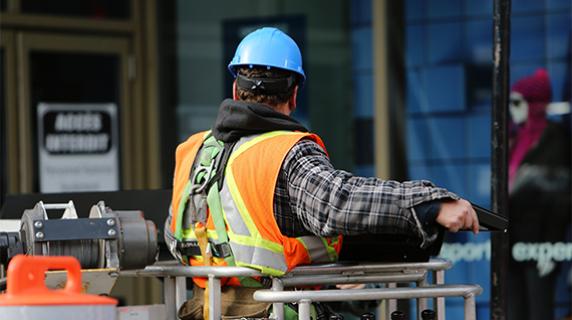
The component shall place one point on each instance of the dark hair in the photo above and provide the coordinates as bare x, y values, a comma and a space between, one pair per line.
263, 72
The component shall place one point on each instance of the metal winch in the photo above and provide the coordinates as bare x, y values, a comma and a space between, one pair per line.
107, 239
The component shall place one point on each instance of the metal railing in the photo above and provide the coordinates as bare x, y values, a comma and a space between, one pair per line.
305, 298
388, 273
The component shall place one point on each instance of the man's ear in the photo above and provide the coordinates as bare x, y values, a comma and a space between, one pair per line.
234, 91
293, 98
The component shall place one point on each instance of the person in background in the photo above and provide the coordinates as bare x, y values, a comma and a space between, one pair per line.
539, 195
259, 190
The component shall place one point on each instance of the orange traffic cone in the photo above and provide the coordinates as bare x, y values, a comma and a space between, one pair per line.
27, 296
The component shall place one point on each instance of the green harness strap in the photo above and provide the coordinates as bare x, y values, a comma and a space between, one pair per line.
215, 207
210, 157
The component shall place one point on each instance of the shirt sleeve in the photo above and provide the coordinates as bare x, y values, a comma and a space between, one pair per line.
329, 202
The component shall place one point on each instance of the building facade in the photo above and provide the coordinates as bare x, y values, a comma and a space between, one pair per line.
397, 89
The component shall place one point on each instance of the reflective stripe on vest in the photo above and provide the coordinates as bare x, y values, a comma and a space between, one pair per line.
231, 214
316, 248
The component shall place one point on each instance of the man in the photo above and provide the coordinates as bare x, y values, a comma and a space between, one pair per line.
263, 193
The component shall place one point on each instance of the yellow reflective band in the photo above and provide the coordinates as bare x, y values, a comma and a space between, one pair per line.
256, 140
252, 242
189, 234
262, 269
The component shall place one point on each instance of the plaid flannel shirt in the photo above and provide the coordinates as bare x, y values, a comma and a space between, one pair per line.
311, 197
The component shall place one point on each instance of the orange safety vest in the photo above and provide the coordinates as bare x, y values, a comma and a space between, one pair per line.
247, 206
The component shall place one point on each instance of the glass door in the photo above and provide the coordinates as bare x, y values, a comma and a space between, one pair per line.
75, 113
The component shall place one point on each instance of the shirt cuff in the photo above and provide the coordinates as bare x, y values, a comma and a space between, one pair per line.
426, 214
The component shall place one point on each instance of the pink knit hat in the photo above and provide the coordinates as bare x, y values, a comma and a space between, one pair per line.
535, 88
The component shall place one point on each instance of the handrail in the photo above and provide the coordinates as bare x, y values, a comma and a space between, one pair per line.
176, 270
337, 273
158, 270
305, 298
431, 291
433, 264
335, 279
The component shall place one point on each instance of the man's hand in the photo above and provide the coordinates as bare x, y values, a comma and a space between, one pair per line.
458, 214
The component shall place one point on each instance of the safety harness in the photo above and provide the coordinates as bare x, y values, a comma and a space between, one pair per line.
206, 177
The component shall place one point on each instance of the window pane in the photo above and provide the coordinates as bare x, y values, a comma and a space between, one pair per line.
448, 123
207, 37
448, 97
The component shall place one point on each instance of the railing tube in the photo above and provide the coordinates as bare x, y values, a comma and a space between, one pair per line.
304, 309
277, 307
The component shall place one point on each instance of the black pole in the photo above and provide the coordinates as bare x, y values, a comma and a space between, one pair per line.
499, 177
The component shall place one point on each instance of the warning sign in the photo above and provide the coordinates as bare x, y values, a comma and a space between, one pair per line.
78, 147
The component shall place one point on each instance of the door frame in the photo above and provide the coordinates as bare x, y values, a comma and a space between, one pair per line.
10, 113
143, 132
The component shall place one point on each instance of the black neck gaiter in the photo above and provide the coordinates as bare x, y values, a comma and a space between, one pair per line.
237, 119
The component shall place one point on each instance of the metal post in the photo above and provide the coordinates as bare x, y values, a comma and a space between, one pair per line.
439, 277
278, 308
499, 175
470, 307
169, 297
180, 291
304, 309
391, 304
421, 302
214, 298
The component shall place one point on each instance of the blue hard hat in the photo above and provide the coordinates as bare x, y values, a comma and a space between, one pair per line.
268, 47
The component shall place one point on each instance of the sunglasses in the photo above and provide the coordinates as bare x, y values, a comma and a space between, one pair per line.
516, 102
